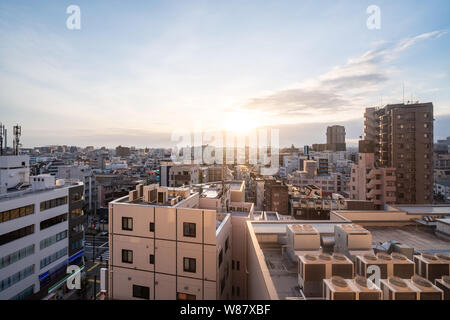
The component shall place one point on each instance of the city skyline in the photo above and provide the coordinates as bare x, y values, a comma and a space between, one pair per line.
132, 72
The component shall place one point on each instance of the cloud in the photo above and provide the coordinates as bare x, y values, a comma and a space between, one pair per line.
344, 89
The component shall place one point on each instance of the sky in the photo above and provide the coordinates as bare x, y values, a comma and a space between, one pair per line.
139, 70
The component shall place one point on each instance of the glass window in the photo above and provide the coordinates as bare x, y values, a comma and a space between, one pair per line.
127, 256
127, 223
189, 229
189, 265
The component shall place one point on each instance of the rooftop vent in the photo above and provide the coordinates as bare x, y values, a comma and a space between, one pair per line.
370, 257
361, 281
421, 282
443, 256
429, 256
398, 282
339, 281
398, 256
384, 256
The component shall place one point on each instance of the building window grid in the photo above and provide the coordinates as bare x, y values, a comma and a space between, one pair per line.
16, 213
49, 204
53, 257
17, 277
16, 256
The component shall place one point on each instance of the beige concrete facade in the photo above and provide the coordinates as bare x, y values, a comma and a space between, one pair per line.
168, 252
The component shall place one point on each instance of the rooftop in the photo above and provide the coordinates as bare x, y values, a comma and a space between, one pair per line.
422, 239
425, 209
283, 272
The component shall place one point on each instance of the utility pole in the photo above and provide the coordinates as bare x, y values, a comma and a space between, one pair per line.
95, 286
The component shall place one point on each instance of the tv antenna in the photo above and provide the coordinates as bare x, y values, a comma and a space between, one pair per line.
17, 132
2, 132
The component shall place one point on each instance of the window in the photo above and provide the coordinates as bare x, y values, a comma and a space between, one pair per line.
237, 265
16, 213
127, 223
53, 239
152, 227
127, 256
53, 257
16, 234
185, 296
152, 259
189, 265
189, 229
220, 257
45, 205
232, 264
141, 292
19, 276
16, 256
53, 221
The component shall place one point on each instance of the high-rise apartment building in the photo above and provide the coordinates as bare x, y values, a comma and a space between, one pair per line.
403, 138
369, 182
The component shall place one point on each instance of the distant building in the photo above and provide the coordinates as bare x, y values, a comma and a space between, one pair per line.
336, 138
276, 197
122, 151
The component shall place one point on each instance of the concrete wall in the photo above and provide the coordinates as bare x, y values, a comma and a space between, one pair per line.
260, 285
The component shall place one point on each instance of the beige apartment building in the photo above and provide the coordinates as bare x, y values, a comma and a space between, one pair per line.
163, 245
403, 138
184, 175
369, 182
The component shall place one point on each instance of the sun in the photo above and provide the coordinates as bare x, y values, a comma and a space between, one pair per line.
240, 121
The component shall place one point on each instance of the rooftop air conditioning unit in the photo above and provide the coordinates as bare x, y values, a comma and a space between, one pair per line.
342, 266
133, 196
444, 285
427, 291
366, 289
367, 260
352, 240
430, 266
402, 267
311, 273
302, 239
162, 196
445, 258
396, 288
337, 288
140, 190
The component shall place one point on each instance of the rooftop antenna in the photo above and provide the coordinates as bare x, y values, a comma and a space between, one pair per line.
2, 128
403, 93
17, 131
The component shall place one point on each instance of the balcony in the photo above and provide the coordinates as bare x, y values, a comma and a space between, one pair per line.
373, 193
